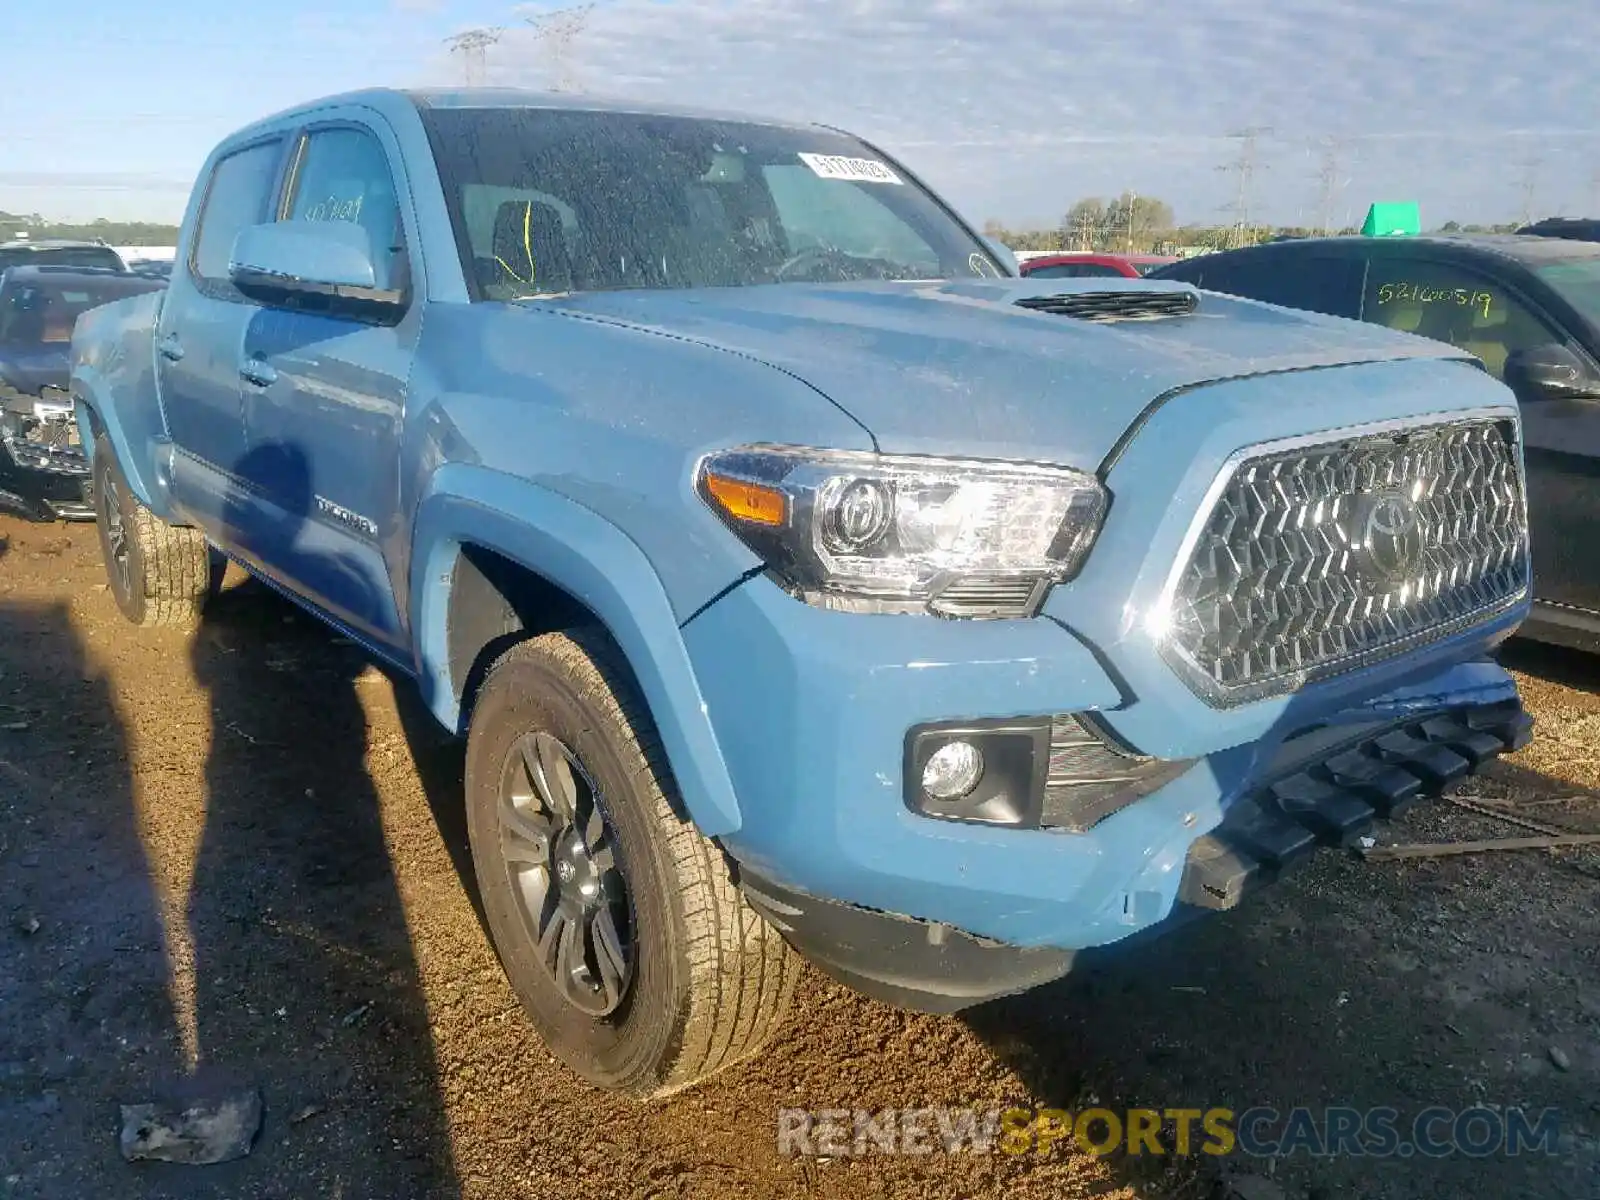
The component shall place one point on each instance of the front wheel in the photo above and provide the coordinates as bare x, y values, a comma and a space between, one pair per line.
617, 923
159, 574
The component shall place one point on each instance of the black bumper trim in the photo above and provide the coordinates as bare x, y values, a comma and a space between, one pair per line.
918, 965
42, 494
1335, 801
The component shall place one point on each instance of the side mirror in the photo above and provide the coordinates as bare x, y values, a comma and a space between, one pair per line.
1004, 253
330, 263
1550, 372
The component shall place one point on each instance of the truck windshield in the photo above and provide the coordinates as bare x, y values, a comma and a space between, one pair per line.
547, 201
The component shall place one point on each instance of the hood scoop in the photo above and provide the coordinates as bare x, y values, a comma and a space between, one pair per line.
1115, 306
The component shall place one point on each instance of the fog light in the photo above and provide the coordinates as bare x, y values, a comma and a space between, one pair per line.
953, 770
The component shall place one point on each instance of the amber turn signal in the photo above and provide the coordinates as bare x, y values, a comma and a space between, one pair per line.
747, 501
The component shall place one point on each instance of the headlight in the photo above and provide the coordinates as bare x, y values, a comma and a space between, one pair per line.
884, 533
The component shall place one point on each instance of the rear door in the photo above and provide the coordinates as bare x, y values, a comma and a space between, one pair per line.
201, 331
324, 397
1484, 312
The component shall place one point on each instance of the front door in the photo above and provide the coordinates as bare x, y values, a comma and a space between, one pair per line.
1561, 438
200, 334
324, 398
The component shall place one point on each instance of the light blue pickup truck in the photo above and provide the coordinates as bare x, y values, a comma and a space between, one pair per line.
804, 583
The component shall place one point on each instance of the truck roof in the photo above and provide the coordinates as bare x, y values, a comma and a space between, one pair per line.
391, 101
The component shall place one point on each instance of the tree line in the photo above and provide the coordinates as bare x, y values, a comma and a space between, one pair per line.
115, 233
1136, 224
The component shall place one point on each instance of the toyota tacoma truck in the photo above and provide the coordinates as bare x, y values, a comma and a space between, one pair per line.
805, 584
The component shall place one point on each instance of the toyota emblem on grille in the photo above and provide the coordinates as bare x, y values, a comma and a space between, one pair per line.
1391, 537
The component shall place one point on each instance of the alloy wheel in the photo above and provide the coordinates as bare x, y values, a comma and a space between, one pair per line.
560, 859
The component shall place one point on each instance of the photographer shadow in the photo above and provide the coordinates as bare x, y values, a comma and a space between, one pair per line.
305, 973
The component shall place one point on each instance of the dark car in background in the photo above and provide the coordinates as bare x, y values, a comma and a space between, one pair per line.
43, 473
1086, 265
1529, 308
1582, 229
59, 252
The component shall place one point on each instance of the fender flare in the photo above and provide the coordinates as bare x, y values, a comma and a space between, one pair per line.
142, 471
577, 550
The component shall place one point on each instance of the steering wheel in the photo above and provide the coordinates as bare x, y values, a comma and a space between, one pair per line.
810, 254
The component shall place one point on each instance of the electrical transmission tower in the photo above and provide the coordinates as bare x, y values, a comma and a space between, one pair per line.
1245, 166
473, 47
1530, 186
1329, 181
556, 31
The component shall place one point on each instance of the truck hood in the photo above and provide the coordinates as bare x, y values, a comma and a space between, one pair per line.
28, 369
960, 368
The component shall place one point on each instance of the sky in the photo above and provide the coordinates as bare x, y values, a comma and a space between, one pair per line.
1013, 109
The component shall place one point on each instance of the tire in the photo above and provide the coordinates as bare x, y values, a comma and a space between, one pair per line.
701, 981
159, 574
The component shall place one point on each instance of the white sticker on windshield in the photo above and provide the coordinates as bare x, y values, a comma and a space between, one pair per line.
860, 170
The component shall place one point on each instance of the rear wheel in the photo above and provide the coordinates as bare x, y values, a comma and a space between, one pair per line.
159, 574
617, 923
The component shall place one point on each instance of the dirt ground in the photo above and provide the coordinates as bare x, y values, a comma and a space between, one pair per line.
244, 853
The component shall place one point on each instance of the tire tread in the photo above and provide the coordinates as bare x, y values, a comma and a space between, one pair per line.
177, 575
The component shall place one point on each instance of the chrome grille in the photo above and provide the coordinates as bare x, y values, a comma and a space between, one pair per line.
1318, 558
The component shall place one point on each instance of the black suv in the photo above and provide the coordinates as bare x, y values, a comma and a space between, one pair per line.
57, 252
1529, 308
1583, 229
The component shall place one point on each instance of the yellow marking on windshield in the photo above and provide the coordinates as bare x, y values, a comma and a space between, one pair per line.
527, 247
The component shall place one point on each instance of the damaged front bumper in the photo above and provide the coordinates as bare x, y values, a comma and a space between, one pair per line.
938, 914
1326, 787
43, 470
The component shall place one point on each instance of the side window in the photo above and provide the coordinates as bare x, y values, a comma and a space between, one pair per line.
343, 175
1453, 304
1323, 283
833, 214
236, 197
1186, 270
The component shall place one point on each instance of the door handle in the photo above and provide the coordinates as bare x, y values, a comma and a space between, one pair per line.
170, 347
260, 373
